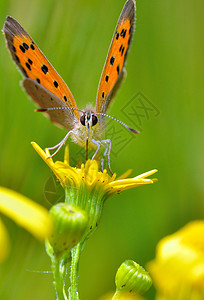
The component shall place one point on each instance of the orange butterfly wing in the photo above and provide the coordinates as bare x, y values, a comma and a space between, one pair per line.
114, 71
34, 65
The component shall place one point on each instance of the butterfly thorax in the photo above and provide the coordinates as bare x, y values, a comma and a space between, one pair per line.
89, 126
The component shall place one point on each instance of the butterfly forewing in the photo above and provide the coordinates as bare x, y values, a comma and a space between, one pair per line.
34, 65
113, 71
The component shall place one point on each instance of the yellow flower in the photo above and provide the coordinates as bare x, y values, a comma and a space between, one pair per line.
90, 175
178, 269
24, 212
86, 187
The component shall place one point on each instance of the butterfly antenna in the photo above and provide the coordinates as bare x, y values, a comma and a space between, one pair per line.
126, 126
56, 108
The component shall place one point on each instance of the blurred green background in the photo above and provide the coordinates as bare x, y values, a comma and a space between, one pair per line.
166, 65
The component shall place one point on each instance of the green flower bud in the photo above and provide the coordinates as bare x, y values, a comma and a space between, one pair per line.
70, 224
132, 278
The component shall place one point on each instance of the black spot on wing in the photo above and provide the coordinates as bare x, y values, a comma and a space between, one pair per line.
112, 60
30, 61
122, 51
22, 48
122, 32
32, 46
65, 98
106, 78
28, 66
118, 69
44, 68
55, 84
38, 80
25, 46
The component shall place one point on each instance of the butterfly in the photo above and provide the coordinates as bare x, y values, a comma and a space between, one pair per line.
45, 86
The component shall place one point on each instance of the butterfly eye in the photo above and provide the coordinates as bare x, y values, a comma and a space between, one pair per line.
94, 120
82, 120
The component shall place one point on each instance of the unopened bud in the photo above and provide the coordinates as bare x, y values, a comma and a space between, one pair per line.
70, 223
132, 278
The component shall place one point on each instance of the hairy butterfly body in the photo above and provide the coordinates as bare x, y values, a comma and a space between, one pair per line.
50, 92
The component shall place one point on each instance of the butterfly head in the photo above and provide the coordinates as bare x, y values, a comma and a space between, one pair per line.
88, 119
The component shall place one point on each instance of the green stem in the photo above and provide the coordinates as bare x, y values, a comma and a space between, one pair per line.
74, 272
58, 274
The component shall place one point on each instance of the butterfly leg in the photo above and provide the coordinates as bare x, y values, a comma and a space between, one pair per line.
107, 144
59, 145
98, 144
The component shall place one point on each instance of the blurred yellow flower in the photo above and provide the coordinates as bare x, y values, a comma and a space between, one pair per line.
24, 212
125, 296
4, 242
178, 269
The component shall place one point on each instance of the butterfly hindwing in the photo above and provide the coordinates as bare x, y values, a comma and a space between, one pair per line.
34, 65
43, 96
114, 71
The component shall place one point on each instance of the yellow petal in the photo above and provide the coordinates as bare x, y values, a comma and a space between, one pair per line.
126, 184
4, 242
26, 213
44, 155
146, 174
91, 171
66, 155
